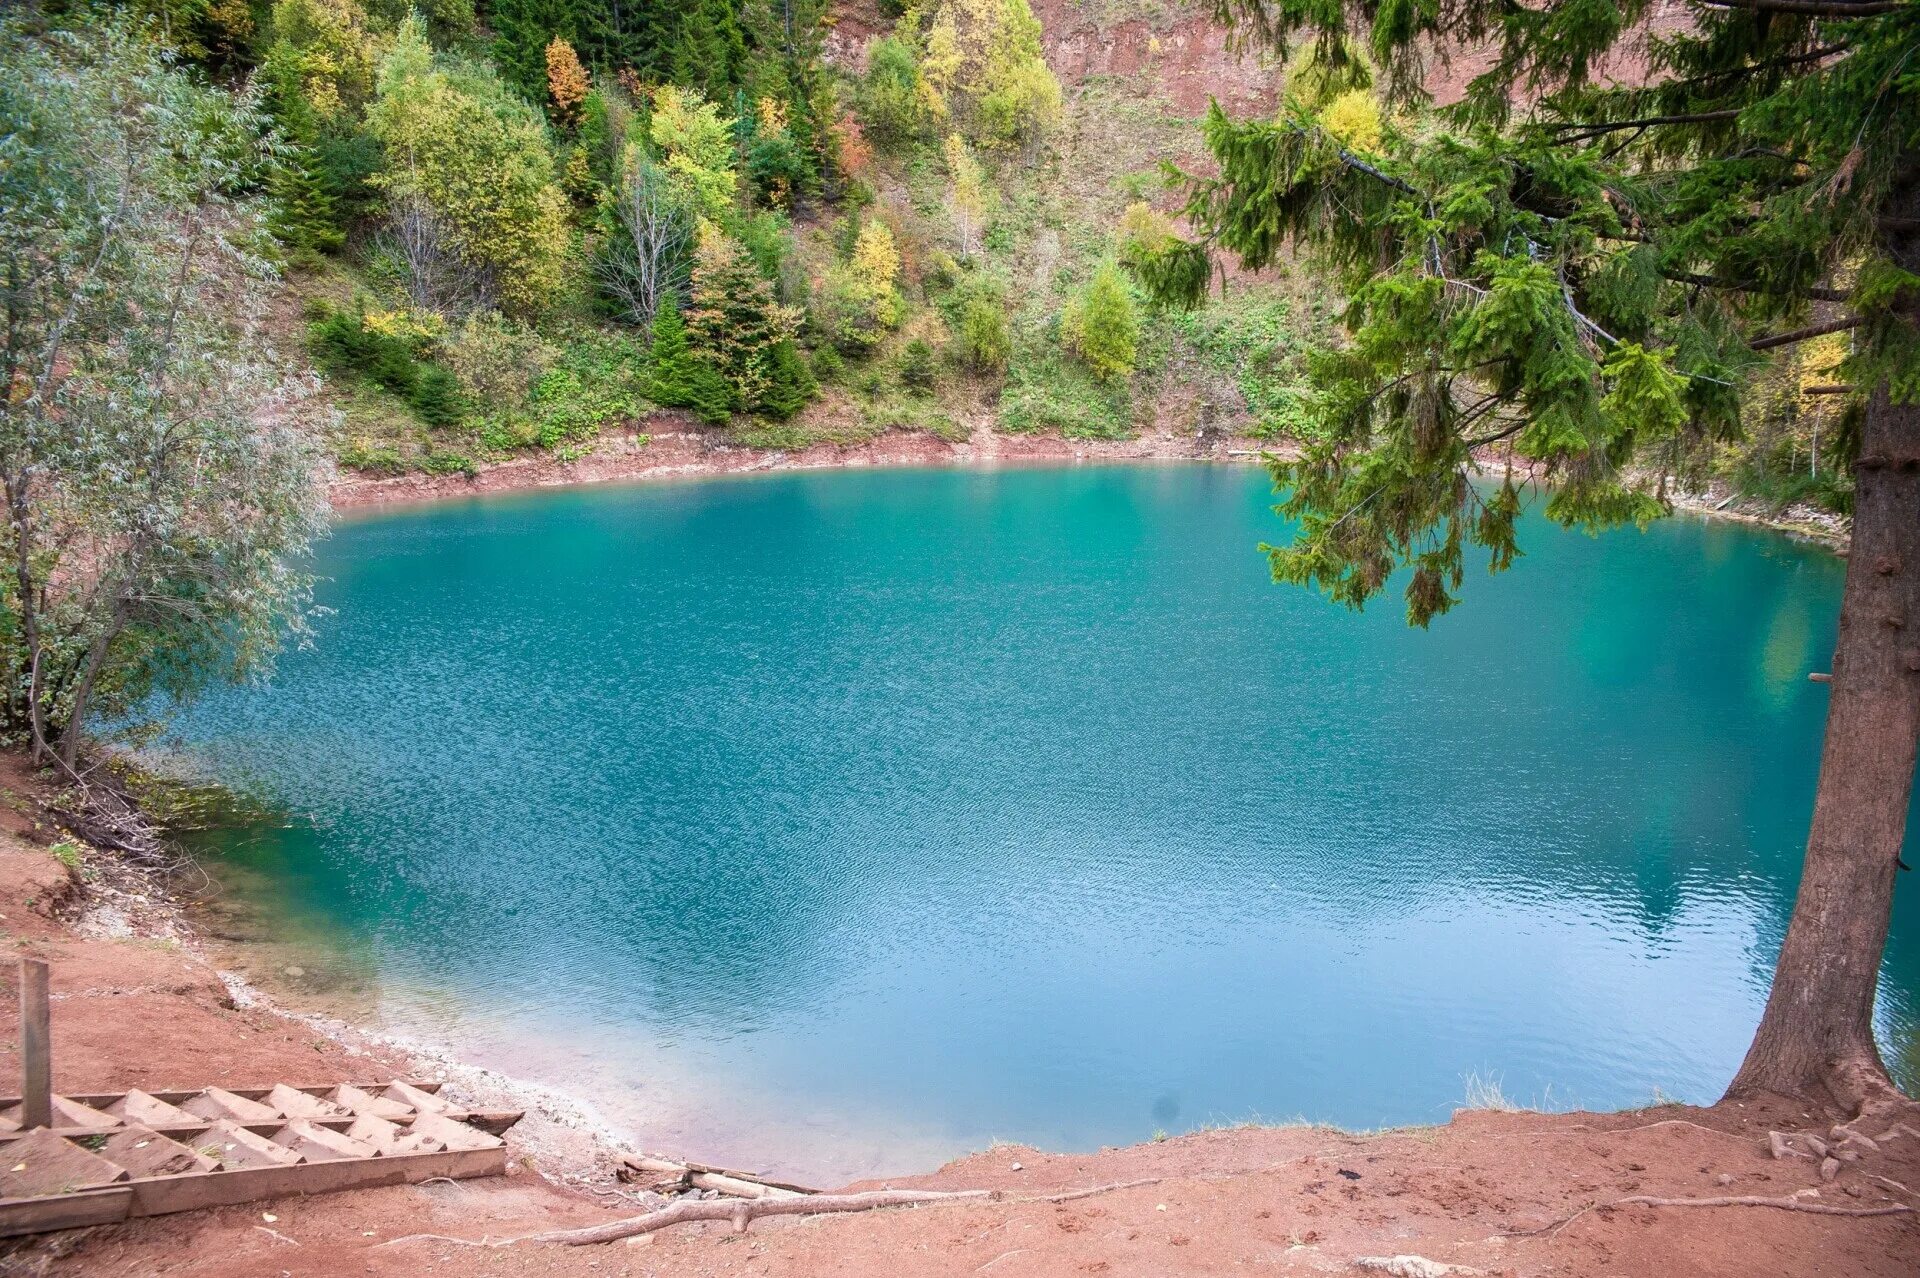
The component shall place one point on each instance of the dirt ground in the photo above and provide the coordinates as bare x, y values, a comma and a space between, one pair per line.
136, 1003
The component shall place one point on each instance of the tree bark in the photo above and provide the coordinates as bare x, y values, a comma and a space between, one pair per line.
1815, 1040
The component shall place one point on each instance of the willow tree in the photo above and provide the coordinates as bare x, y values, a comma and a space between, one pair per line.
161, 486
1580, 263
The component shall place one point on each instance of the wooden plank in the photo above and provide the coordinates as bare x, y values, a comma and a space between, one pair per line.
64, 1211
36, 1047
225, 1188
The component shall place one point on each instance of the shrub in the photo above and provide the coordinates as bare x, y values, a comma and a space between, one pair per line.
1100, 325
985, 342
374, 459
349, 345
496, 360
917, 366
894, 99
449, 463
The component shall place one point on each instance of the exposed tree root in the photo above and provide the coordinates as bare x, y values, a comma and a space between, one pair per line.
1781, 1204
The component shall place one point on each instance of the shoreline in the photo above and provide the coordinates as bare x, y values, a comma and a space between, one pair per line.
566, 1130
639, 456
1492, 1190
571, 1144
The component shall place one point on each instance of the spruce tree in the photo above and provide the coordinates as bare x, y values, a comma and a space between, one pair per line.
790, 383
735, 325
522, 30
709, 49
670, 373
1582, 274
304, 212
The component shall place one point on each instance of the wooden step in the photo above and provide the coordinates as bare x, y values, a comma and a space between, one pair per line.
319, 1144
391, 1138
149, 1111
295, 1103
352, 1098
40, 1163
453, 1135
147, 1153
425, 1102
218, 1103
237, 1148
69, 1113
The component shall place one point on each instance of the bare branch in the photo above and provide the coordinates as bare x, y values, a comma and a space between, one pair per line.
1802, 334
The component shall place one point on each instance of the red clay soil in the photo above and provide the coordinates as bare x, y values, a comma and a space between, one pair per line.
1499, 1193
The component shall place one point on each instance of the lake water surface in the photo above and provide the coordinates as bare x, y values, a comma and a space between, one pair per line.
842, 822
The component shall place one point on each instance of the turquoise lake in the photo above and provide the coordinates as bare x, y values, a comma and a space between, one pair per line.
841, 822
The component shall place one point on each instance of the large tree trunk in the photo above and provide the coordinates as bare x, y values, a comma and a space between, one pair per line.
1816, 1038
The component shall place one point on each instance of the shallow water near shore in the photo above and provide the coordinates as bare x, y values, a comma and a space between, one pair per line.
836, 823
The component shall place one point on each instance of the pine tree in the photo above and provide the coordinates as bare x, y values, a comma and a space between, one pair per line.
670, 372
1586, 273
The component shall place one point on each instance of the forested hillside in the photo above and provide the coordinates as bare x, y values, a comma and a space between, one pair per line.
514, 226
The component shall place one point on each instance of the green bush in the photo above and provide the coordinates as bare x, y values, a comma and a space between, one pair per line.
1101, 326
917, 366
1046, 392
985, 342
343, 345
449, 463
372, 458
1258, 344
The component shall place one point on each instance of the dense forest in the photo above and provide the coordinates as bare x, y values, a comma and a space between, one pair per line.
512, 226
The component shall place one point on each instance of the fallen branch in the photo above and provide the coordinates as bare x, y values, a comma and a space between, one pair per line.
743, 1211
1782, 1204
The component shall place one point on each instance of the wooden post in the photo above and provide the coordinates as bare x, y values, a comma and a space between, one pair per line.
36, 1055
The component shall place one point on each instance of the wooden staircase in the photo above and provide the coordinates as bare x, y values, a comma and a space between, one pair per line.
110, 1156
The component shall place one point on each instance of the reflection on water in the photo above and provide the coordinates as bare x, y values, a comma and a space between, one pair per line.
842, 822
